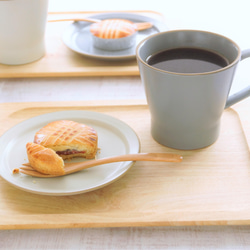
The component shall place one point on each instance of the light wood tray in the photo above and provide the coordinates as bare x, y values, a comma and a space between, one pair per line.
60, 61
210, 187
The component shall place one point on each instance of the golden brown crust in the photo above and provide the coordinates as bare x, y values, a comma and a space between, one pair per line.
68, 139
113, 28
44, 160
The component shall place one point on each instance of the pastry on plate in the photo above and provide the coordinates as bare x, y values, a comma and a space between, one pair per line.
44, 160
113, 34
68, 139
113, 28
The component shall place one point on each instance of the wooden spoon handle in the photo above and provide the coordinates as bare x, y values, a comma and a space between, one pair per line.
91, 20
139, 26
163, 157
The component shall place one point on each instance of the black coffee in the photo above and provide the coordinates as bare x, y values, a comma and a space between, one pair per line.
187, 60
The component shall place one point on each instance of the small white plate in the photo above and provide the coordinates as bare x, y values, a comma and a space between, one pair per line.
78, 38
114, 138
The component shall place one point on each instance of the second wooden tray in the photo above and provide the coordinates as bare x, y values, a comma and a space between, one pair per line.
60, 61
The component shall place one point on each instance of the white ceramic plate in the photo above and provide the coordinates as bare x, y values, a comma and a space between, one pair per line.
78, 38
114, 138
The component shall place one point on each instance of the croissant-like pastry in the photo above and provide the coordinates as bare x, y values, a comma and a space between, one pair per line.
44, 160
68, 139
112, 28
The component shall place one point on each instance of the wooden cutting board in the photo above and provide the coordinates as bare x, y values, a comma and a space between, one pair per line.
60, 61
210, 187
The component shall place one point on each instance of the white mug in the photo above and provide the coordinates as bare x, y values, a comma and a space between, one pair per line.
22, 30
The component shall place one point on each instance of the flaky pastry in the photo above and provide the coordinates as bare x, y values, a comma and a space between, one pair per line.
68, 139
44, 160
113, 28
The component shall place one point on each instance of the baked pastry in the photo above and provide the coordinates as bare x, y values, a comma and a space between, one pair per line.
44, 160
68, 139
113, 28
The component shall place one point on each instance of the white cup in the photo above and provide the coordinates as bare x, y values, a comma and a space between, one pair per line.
22, 30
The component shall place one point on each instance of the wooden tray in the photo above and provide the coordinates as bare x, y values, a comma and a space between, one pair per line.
60, 61
210, 187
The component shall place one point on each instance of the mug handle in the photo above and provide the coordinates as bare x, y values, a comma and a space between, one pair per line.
242, 94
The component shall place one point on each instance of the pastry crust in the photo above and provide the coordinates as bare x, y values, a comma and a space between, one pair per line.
44, 160
113, 28
68, 139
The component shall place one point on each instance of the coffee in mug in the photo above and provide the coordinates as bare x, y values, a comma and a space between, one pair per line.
187, 60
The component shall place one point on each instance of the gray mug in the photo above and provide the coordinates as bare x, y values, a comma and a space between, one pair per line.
186, 108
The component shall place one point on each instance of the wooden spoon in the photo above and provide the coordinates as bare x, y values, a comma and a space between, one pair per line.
139, 26
75, 167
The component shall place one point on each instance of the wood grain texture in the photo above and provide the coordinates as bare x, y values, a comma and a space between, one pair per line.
210, 187
133, 238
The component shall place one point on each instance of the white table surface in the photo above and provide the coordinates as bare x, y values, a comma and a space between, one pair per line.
228, 17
